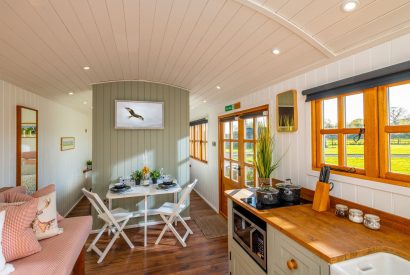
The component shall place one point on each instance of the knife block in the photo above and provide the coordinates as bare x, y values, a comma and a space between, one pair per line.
321, 200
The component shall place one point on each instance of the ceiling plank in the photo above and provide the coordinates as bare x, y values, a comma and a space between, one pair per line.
35, 23
70, 24
116, 13
210, 37
288, 24
132, 25
211, 12
192, 16
101, 18
147, 15
240, 27
160, 25
177, 17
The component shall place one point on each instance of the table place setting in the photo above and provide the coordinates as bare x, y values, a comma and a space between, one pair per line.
120, 187
143, 183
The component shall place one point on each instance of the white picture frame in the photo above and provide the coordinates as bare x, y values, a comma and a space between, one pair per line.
139, 115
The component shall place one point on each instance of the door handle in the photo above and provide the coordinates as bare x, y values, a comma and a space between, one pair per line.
239, 171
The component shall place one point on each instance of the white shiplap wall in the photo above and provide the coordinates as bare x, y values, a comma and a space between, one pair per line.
55, 121
297, 161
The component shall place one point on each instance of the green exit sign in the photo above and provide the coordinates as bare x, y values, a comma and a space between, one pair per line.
232, 107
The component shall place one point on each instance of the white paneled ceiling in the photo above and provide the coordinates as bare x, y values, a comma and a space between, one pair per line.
194, 44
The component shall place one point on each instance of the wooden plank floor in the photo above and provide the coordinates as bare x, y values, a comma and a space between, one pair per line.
201, 256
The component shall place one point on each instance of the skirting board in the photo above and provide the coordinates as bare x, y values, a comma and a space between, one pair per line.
95, 231
210, 205
75, 204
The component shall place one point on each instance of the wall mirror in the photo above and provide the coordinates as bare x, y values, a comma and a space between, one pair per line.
27, 148
286, 111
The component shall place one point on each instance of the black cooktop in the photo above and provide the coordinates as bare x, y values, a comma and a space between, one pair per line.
252, 202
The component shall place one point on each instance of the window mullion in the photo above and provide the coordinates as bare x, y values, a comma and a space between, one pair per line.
383, 137
200, 142
371, 136
340, 124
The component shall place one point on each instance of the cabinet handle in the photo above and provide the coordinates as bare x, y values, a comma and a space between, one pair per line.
292, 264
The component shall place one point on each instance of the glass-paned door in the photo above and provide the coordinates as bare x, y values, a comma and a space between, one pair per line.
238, 136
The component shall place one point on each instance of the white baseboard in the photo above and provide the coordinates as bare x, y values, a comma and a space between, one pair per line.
95, 231
75, 204
210, 205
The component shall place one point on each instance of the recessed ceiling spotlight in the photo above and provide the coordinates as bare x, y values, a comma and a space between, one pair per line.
350, 5
275, 51
218, 87
204, 101
70, 93
85, 102
86, 68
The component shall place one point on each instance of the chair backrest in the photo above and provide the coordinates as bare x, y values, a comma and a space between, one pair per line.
98, 204
187, 191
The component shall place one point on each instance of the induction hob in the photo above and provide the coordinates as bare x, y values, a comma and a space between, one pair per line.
251, 200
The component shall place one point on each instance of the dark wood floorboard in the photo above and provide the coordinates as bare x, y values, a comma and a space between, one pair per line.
83, 208
201, 256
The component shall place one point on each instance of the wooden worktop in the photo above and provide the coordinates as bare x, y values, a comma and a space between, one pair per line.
332, 238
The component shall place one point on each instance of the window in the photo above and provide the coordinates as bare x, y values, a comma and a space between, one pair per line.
364, 133
198, 141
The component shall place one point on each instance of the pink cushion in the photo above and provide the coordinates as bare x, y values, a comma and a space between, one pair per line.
18, 189
16, 197
11, 196
44, 191
5, 196
19, 240
59, 253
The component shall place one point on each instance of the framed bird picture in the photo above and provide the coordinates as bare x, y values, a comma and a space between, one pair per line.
139, 114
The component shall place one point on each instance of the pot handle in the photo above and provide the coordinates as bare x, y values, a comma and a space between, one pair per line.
287, 192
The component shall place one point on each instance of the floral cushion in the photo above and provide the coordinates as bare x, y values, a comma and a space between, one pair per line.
45, 225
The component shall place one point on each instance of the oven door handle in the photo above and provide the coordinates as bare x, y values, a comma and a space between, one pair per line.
253, 229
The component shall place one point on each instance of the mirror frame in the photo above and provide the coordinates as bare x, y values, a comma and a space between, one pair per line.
18, 144
295, 112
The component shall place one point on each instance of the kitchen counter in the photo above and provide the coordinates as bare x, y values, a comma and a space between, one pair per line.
332, 238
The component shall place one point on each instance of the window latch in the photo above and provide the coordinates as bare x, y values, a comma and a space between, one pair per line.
359, 135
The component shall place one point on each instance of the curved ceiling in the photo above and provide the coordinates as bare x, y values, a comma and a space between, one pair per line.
194, 44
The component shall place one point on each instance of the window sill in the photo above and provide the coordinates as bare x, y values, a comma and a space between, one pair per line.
364, 177
197, 159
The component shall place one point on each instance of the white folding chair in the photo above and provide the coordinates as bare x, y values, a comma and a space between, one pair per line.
170, 212
115, 220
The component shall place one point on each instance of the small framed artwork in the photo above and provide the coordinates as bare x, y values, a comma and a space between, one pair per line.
67, 143
28, 130
139, 115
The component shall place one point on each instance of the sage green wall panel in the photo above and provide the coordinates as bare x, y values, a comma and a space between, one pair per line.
117, 153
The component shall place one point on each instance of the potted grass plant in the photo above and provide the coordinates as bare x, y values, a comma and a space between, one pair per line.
155, 174
89, 164
265, 160
137, 176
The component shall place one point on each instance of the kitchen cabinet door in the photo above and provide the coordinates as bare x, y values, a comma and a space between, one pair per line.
241, 263
285, 256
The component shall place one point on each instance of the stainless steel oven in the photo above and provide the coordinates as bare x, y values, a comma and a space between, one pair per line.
250, 233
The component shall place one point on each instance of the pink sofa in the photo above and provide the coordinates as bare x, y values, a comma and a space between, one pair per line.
62, 254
